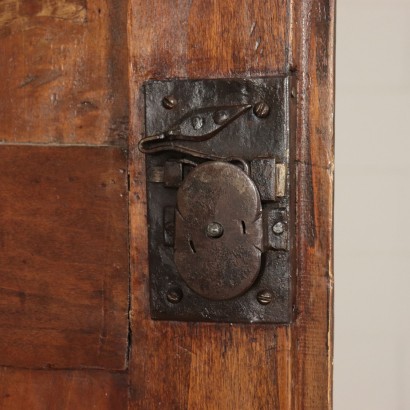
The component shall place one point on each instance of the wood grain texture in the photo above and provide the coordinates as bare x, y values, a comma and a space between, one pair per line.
205, 39
62, 390
63, 284
207, 366
200, 366
312, 57
63, 257
64, 77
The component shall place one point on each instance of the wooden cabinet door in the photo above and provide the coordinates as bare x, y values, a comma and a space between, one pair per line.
75, 325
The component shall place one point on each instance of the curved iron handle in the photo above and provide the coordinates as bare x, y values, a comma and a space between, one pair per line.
195, 126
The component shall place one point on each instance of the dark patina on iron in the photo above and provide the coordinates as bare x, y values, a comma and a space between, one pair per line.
220, 226
226, 264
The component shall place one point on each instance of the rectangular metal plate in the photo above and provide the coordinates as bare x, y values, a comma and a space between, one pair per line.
248, 138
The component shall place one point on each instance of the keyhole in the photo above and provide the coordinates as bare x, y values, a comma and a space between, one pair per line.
192, 246
243, 227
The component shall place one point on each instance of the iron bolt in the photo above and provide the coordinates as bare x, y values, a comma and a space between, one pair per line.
220, 117
169, 102
214, 230
174, 295
261, 109
264, 297
278, 228
197, 122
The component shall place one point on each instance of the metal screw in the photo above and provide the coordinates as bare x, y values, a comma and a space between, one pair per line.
220, 117
261, 109
214, 230
293, 92
278, 228
264, 297
169, 102
197, 122
174, 295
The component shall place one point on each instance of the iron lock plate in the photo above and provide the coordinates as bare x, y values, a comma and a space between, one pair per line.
220, 198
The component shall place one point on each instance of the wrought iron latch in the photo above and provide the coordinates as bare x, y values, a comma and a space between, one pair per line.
220, 198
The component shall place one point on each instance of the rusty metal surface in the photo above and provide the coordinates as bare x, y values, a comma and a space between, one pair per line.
223, 264
194, 127
173, 174
276, 232
213, 200
263, 173
242, 135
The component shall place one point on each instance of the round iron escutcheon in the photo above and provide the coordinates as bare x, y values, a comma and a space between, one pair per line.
218, 231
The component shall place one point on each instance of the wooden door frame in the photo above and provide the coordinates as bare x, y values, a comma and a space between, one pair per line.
72, 108
180, 371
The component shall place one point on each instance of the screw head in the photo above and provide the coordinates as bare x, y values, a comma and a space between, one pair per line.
169, 102
174, 295
197, 122
261, 109
214, 230
220, 117
293, 92
264, 297
278, 228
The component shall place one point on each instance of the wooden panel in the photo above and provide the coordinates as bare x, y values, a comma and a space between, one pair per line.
206, 366
64, 257
64, 77
207, 38
312, 334
200, 366
58, 390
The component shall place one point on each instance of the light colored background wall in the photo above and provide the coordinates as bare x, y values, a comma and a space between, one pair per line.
372, 212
